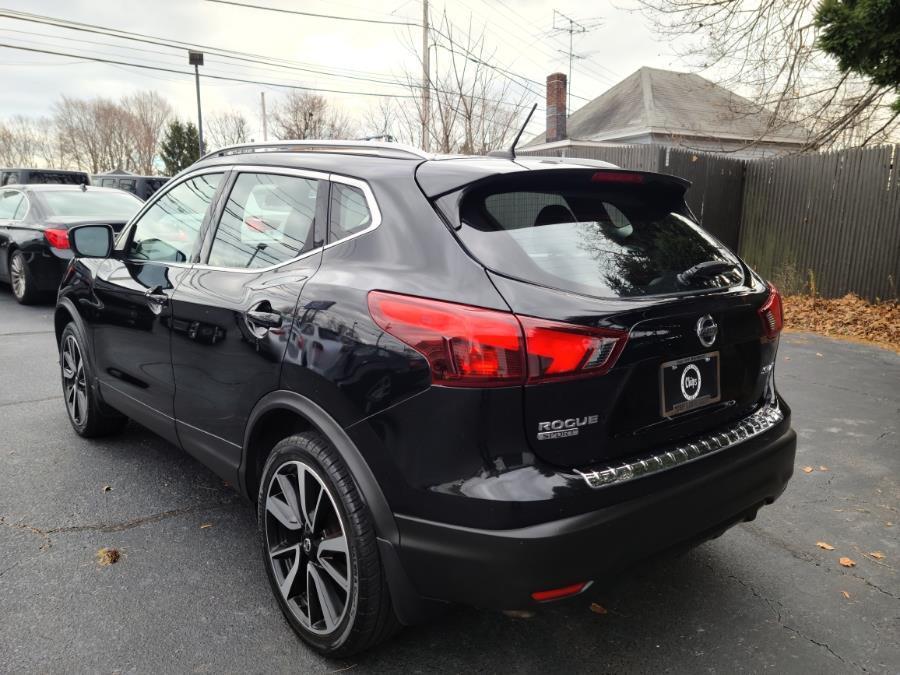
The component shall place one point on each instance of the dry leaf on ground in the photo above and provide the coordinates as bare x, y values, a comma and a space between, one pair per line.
597, 608
850, 316
824, 545
807, 469
878, 555
205, 526
107, 488
108, 556
847, 562
824, 468
845, 594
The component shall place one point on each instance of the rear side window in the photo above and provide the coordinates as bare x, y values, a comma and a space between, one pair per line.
268, 219
589, 236
12, 205
349, 211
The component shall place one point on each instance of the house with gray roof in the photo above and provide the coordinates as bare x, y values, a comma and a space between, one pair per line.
668, 108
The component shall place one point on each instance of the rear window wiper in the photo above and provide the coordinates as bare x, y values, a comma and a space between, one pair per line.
704, 270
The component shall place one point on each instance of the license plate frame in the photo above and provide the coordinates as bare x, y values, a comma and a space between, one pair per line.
676, 392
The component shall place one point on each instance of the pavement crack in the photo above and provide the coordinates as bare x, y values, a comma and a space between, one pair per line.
27, 332
35, 400
120, 526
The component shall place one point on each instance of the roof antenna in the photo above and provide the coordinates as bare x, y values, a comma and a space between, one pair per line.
511, 153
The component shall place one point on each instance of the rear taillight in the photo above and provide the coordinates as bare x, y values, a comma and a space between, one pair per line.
564, 350
474, 347
616, 177
57, 237
465, 346
771, 314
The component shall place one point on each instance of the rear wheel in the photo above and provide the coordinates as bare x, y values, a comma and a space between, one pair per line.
89, 416
319, 549
21, 279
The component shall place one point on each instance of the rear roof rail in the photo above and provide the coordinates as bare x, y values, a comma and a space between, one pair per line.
373, 148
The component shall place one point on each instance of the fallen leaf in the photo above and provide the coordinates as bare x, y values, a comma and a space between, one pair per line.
823, 545
845, 594
597, 608
824, 468
787, 358
205, 526
108, 556
107, 488
878, 555
846, 562
807, 469
819, 354
518, 613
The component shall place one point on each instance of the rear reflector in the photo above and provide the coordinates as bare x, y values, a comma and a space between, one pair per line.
57, 237
616, 177
771, 314
474, 347
557, 593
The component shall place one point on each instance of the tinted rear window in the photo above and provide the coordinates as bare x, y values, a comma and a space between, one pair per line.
88, 204
596, 238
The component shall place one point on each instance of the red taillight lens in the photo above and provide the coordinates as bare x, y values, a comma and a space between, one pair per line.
57, 237
557, 593
465, 346
565, 350
616, 177
474, 347
771, 314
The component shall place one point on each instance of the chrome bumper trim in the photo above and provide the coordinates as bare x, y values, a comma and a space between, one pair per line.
751, 426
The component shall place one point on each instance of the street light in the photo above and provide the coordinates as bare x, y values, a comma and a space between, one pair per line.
196, 59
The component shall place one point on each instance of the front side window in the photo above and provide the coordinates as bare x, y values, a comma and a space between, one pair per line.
349, 211
268, 219
168, 230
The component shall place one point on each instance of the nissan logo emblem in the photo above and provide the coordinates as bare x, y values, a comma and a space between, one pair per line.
707, 330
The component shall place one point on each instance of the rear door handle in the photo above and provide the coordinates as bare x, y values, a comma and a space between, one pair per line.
262, 319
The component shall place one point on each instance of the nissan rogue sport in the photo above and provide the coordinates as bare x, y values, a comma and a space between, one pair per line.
480, 380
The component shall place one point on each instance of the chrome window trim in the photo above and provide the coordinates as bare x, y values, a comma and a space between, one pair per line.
302, 173
751, 426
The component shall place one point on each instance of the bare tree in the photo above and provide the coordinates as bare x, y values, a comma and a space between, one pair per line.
473, 108
25, 142
301, 115
768, 50
149, 113
228, 128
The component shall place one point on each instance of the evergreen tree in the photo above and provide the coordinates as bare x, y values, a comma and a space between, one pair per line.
180, 146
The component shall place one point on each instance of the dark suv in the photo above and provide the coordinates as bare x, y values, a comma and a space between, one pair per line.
474, 380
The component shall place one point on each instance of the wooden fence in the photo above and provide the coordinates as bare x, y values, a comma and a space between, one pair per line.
829, 220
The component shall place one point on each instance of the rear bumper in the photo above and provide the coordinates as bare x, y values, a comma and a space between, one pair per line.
502, 568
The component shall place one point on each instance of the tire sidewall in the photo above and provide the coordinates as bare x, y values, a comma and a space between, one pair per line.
71, 330
289, 450
26, 296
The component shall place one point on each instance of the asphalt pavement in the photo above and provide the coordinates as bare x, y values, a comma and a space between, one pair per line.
189, 593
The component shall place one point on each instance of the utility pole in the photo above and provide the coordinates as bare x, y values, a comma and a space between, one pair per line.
196, 59
571, 29
426, 77
262, 101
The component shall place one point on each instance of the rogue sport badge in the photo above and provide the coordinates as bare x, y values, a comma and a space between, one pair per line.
707, 330
564, 428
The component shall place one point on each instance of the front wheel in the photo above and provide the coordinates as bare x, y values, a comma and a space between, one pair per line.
319, 548
89, 416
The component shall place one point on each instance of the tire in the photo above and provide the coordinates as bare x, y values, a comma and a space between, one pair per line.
21, 280
312, 539
89, 416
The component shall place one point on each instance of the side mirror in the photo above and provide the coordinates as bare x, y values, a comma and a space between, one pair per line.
91, 241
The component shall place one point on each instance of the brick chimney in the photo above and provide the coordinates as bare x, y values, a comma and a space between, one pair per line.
556, 107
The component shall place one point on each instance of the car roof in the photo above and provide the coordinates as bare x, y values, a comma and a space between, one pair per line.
33, 170
61, 187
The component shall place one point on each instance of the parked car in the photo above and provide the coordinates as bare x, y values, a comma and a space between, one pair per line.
29, 176
142, 186
441, 380
34, 220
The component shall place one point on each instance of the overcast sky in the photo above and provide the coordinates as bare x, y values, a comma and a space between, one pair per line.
518, 31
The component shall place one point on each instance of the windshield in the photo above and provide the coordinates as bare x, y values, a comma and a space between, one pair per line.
91, 204
605, 239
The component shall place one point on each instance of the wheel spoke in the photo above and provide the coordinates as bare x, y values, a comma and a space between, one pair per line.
301, 482
290, 495
282, 512
68, 364
314, 523
337, 545
81, 404
328, 603
287, 585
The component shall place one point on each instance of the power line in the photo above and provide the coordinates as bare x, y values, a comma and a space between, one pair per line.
248, 5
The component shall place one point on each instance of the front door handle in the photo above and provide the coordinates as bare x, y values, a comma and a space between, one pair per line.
156, 299
263, 319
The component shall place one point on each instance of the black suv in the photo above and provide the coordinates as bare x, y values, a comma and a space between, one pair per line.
477, 380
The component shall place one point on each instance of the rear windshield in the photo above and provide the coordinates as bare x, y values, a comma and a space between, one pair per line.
88, 204
584, 234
